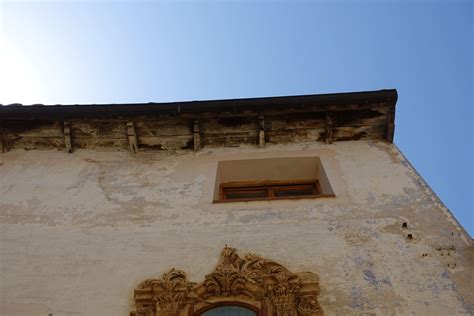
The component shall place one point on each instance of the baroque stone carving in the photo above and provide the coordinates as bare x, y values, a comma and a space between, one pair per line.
278, 291
165, 296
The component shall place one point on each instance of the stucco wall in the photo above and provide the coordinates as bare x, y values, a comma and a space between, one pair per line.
79, 231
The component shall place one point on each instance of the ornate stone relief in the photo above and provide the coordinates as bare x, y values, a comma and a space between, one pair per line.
267, 284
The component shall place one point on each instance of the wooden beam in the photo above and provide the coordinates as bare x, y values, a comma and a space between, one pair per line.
132, 137
390, 125
67, 136
329, 128
196, 136
261, 131
3, 140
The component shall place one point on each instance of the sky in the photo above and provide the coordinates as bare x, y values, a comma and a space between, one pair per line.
70, 52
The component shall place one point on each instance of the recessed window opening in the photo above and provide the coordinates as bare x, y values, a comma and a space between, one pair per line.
271, 179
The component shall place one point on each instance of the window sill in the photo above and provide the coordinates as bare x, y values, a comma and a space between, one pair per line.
276, 198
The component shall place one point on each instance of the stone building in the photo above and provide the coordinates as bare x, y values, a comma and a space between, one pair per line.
297, 205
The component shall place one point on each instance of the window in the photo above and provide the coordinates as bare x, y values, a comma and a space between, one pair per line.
271, 179
269, 190
229, 311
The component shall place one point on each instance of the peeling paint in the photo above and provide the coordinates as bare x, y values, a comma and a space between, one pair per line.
79, 231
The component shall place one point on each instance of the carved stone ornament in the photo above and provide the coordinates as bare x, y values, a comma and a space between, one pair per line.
265, 284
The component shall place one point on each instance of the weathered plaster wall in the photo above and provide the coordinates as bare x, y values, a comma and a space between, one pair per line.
79, 231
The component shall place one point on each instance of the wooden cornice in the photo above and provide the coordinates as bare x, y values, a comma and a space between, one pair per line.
193, 125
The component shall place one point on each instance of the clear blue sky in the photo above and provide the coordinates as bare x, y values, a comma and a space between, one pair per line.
108, 51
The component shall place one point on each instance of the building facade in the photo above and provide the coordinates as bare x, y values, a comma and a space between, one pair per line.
296, 205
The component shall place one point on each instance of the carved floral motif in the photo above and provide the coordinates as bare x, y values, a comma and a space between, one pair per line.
308, 305
282, 292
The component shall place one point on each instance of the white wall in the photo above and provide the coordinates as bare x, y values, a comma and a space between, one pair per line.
79, 231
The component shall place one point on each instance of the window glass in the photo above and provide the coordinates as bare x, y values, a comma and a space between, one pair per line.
229, 311
245, 194
293, 191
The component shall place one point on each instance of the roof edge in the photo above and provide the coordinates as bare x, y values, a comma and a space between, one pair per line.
36, 112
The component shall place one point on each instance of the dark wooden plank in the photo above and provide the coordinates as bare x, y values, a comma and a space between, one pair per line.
132, 137
67, 137
329, 128
261, 131
196, 136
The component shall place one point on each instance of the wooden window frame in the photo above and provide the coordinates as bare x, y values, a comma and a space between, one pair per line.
270, 187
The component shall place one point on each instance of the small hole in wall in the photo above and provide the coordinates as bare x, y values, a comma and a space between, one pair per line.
404, 225
410, 236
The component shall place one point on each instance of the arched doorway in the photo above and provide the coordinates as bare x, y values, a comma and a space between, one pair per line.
229, 311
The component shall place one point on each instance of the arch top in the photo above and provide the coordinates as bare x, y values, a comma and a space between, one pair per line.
250, 281
245, 309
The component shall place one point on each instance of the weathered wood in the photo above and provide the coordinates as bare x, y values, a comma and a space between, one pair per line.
43, 129
164, 126
194, 130
196, 136
229, 132
364, 117
132, 137
321, 109
100, 129
329, 128
230, 139
308, 121
227, 125
30, 143
32, 135
165, 142
261, 131
295, 135
101, 143
3, 142
67, 137
95, 134
390, 125
358, 133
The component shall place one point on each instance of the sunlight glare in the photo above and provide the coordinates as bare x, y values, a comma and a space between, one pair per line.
19, 80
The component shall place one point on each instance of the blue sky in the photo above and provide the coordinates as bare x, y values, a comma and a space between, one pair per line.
109, 51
